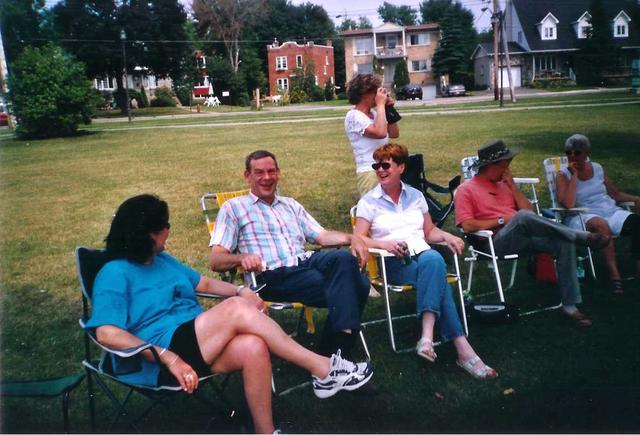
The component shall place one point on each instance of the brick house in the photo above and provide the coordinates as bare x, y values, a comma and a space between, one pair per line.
389, 44
284, 59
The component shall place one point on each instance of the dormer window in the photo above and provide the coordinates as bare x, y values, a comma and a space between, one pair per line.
582, 26
548, 27
621, 25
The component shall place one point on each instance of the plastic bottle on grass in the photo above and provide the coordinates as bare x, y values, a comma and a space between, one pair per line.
580, 268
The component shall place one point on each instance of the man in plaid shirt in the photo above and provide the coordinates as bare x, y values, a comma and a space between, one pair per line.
266, 233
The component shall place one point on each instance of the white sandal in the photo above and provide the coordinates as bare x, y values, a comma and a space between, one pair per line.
424, 348
480, 372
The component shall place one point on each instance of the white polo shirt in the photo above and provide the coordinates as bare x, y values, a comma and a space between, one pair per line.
391, 221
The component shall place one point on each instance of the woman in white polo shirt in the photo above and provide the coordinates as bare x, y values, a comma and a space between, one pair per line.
366, 125
395, 217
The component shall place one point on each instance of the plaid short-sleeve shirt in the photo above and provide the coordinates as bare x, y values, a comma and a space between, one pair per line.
277, 231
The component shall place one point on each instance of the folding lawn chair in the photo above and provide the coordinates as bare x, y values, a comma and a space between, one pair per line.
113, 363
53, 387
382, 284
415, 177
481, 242
210, 204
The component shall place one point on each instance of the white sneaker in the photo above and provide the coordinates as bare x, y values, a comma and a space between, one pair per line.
343, 375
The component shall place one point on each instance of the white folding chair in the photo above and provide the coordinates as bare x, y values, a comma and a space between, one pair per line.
481, 242
387, 288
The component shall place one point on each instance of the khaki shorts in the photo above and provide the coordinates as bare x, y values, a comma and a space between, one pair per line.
366, 181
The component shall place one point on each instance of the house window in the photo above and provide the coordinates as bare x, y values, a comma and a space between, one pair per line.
104, 83
201, 61
585, 31
546, 63
299, 61
365, 68
621, 31
549, 32
281, 63
419, 65
324, 70
316, 77
364, 46
520, 36
283, 84
481, 70
419, 39
326, 60
390, 41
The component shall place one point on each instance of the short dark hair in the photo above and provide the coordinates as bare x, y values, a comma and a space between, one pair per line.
360, 85
257, 155
130, 233
396, 152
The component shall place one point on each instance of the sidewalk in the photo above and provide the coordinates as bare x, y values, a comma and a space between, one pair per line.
477, 96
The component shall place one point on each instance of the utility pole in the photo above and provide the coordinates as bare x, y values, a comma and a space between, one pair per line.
123, 40
495, 21
505, 47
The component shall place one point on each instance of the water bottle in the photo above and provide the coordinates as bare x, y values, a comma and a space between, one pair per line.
580, 268
404, 248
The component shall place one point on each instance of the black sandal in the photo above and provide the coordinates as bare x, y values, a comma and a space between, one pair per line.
616, 287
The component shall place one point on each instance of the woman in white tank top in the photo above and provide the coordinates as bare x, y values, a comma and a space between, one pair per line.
584, 184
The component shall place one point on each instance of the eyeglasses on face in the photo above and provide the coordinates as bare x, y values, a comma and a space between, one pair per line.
573, 152
383, 165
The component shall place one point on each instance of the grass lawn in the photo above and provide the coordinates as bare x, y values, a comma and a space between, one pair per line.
60, 193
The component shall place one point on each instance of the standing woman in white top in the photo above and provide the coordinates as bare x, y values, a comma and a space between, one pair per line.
584, 184
395, 217
366, 125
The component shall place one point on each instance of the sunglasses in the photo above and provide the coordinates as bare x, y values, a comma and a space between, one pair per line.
573, 152
383, 165
168, 226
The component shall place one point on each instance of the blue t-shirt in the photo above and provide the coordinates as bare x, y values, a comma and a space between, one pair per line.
148, 300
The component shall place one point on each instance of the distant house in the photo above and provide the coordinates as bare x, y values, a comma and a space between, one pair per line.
140, 78
387, 46
283, 60
545, 35
203, 87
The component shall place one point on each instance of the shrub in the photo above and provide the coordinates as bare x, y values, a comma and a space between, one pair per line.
49, 93
329, 91
164, 98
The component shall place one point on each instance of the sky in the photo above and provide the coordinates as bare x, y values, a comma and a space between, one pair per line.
357, 8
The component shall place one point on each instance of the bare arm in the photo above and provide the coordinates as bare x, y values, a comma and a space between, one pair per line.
333, 238
221, 260
619, 196
522, 202
225, 289
433, 234
362, 230
117, 338
378, 130
566, 188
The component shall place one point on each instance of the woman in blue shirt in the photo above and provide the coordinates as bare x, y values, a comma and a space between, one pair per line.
145, 295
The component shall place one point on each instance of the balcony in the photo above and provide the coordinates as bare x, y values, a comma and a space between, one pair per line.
389, 53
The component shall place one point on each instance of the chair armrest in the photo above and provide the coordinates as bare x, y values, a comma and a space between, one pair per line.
380, 252
436, 187
482, 233
520, 180
122, 353
575, 210
627, 204
208, 295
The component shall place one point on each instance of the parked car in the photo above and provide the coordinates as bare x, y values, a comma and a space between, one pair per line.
4, 118
410, 91
454, 91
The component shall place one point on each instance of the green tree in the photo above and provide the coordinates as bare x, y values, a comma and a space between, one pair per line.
22, 22
49, 93
400, 75
598, 52
150, 27
400, 15
364, 23
459, 38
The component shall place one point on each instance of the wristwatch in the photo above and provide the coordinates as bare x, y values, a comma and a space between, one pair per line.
500, 220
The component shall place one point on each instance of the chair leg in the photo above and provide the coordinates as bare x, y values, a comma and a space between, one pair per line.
65, 410
461, 294
364, 345
496, 271
91, 399
513, 274
388, 305
593, 269
471, 264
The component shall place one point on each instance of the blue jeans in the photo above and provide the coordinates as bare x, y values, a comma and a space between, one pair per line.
330, 279
428, 274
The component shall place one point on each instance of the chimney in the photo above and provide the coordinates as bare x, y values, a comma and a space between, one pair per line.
330, 43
